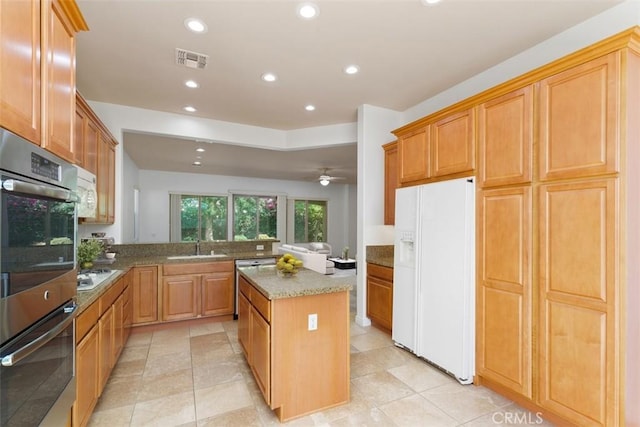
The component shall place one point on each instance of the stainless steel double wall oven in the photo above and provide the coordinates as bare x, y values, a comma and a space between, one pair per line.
37, 284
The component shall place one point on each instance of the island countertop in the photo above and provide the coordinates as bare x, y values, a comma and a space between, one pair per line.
306, 282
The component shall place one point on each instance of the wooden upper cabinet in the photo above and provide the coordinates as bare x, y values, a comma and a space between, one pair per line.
59, 47
504, 342
453, 144
87, 136
390, 181
20, 82
579, 120
505, 138
413, 155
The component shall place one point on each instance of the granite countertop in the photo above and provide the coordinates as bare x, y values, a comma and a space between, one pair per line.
380, 255
306, 282
86, 298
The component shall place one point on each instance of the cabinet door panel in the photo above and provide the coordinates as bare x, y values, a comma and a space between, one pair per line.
87, 374
453, 144
20, 68
61, 83
390, 181
106, 332
260, 356
217, 294
578, 301
505, 136
180, 297
380, 301
579, 113
413, 153
504, 288
145, 294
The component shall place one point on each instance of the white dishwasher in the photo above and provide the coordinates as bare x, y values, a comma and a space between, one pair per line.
249, 263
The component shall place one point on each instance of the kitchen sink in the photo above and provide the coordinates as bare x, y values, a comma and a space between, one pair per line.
197, 256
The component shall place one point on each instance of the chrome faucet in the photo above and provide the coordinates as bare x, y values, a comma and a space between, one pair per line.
197, 246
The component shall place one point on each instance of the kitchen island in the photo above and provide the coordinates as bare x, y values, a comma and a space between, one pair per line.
294, 332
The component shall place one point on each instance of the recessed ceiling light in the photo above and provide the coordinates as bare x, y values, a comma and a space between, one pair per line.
195, 25
308, 10
200, 150
191, 83
310, 107
351, 69
269, 77
190, 109
197, 163
430, 2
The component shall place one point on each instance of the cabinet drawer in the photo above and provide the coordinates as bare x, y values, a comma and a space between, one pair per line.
261, 303
86, 320
244, 287
110, 295
197, 268
385, 273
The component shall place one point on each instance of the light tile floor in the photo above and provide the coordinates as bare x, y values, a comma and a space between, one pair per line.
197, 376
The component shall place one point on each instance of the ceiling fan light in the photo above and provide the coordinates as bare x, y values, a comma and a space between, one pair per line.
324, 182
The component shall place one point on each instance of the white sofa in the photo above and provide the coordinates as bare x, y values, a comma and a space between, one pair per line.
313, 255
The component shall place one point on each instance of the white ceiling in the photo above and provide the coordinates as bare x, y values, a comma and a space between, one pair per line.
407, 52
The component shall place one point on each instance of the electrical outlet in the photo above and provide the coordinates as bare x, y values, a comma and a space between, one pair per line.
259, 247
313, 322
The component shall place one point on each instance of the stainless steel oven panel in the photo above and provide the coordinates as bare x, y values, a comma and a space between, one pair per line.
19, 311
37, 371
17, 155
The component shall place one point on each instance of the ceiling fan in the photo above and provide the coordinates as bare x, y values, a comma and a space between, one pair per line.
325, 178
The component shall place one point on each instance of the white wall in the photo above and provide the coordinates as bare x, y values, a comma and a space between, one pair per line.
374, 127
155, 187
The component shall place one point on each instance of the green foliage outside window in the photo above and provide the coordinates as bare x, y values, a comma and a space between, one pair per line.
255, 217
310, 221
203, 217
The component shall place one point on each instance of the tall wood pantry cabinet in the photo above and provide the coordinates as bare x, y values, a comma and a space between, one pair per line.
557, 242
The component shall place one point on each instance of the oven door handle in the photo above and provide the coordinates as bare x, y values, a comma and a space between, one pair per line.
40, 190
21, 353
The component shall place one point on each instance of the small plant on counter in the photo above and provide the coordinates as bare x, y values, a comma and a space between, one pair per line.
88, 251
288, 264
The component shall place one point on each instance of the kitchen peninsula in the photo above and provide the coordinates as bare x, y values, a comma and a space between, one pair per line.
294, 332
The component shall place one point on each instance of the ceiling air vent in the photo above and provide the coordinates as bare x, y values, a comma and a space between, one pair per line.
191, 59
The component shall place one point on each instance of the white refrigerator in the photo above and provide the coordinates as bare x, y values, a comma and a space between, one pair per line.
434, 274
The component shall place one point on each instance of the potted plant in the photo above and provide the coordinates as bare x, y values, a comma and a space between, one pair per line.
88, 251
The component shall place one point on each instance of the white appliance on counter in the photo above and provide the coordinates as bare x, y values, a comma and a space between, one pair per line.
434, 274
87, 193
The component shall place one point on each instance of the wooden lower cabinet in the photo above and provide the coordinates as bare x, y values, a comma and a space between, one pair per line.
87, 373
145, 294
100, 338
105, 335
380, 295
290, 363
194, 290
260, 361
180, 297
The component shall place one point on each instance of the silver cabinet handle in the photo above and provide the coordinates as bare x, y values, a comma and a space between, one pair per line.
18, 355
